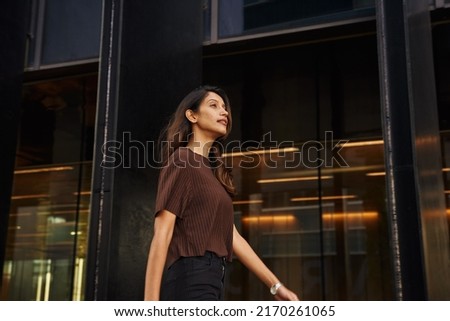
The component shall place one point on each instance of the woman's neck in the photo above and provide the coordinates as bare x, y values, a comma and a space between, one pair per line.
200, 147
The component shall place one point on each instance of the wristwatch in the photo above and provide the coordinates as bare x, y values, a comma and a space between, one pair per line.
274, 288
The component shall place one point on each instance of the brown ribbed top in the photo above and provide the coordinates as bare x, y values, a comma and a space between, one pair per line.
188, 188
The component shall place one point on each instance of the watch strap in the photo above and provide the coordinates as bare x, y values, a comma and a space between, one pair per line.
274, 288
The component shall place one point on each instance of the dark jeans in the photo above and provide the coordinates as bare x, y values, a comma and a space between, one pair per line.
197, 278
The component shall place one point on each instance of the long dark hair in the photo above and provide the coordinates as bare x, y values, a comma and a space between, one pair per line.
177, 132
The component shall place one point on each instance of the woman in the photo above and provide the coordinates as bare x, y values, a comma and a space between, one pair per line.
194, 234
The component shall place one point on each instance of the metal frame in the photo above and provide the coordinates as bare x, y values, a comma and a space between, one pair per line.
39, 33
64, 64
214, 21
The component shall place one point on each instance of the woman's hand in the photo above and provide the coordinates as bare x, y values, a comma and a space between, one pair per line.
284, 294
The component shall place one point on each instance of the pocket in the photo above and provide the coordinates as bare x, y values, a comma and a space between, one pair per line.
175, 264
175, 270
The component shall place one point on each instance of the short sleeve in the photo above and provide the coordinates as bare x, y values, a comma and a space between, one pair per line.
173, 189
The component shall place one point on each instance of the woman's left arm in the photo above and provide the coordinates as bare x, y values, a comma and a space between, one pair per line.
250, 259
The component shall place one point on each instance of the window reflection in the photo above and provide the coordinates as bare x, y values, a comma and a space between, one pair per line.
314, 225
238, 17
62, 32
48, 222
445, 143
311, 200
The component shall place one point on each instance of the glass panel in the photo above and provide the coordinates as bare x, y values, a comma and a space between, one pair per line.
311, 189
46, 246
237, 17
231, 18
441, 41
445, 143
47, 233
71, 30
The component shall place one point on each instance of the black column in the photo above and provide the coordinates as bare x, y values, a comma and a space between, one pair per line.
13, 22
420, 240
151, 57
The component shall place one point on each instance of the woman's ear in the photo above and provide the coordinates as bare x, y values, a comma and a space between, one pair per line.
190, 115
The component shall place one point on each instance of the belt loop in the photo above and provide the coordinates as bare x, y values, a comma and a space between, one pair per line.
210, 256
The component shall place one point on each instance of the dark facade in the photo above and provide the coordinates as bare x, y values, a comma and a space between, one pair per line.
340, 144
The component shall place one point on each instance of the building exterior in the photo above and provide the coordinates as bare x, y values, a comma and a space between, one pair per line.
340, 145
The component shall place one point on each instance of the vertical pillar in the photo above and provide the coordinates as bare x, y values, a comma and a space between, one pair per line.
13, 23
420, 240
151, 57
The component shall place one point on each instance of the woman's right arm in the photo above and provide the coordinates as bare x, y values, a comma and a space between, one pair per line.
163, 230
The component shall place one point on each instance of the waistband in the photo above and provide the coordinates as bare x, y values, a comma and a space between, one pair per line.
214, 256
208, 256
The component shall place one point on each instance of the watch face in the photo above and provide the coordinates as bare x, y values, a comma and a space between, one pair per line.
274, 288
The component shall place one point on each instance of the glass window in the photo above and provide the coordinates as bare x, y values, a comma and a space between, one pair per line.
238, 17
47, 233
308, 163
445, 143
71, 30
441, 41
62, 31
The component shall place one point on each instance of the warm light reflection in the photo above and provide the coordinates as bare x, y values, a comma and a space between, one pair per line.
323, 198
83, 193
20, 214
376, 174
261, 151
350, 215
78, 282
384, 173
363, 143
26, 235
247, 202
448, 211
291, 179
44, 170
288, 218
31, 196
63, 212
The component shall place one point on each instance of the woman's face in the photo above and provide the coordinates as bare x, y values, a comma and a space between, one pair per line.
211, 118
